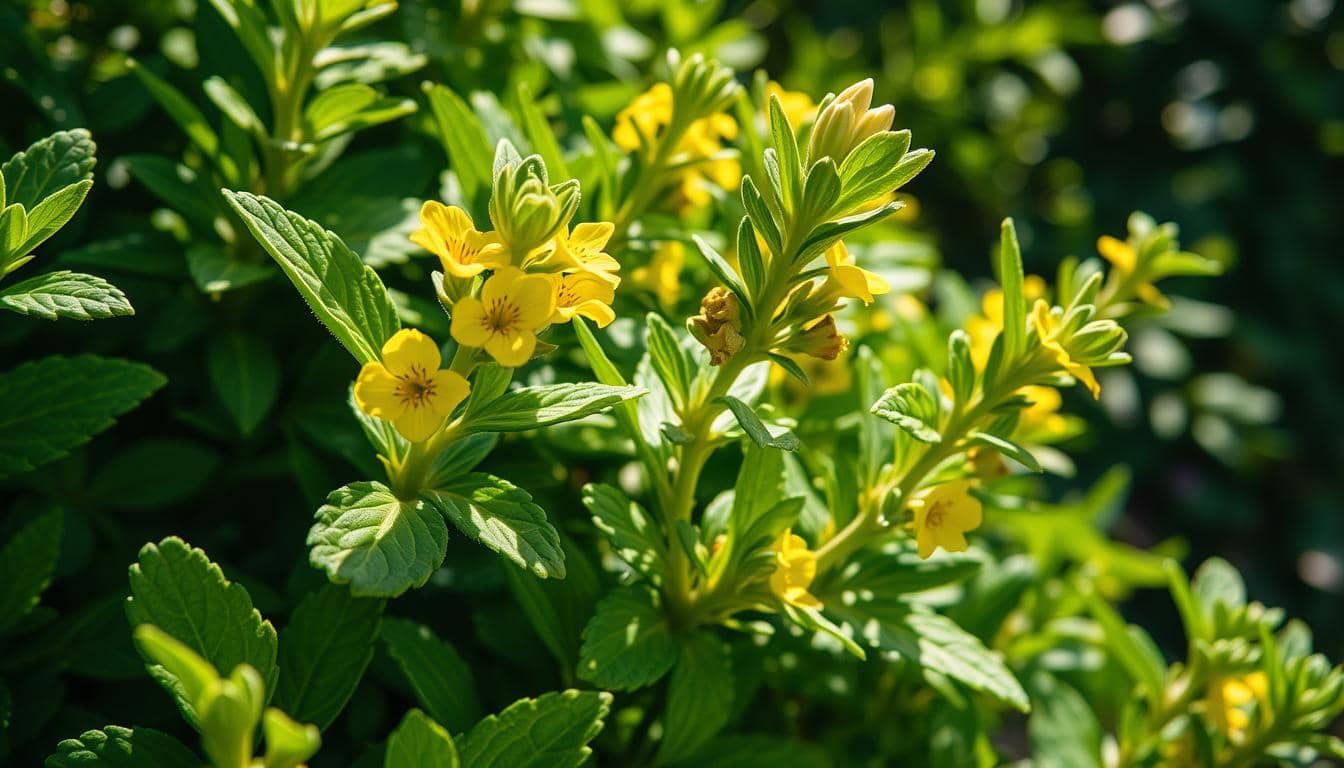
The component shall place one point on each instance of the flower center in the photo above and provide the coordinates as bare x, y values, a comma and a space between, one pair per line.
415, 387
501, 316
937, 512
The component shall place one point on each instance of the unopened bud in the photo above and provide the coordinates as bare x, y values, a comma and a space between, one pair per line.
847, 121
822, 340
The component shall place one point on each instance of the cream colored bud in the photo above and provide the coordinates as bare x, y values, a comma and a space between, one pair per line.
846, 122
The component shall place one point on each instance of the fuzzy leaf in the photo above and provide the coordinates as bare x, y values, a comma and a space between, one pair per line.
344, 293
178, 589
441, 679
66, 294
378, 544
910, 407
501, 516
550, 731
324, 650
52, 405
51, 164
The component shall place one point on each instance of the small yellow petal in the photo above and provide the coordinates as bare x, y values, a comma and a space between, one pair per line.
450, 388
417, 423
511, 350
376, 392
469, 322
410, 349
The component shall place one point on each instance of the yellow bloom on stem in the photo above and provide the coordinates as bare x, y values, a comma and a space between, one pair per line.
795, 568
447, 232
1042, 417
407, 388
513, 306
646, 114
943, 515
797, 106
851, 280
583, 294
1047, 327
662, 275
1230, 697
1125, 259
582, 249
986, 326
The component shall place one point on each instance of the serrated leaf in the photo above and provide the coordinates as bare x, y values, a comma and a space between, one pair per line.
550, 731
501, 516
699, 696
344, 293
246, 376
378, 544
51, 214
420, 742
118, 747
627, 644
534, 407
910, 407
66, 294
53, 163
324, 650
633, 535
935, 643
176, 588
52, 405
441, 679
756, 429
27, 562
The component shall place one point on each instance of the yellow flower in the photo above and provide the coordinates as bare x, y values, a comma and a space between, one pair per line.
582, 249
1042, 418
1047, 327
662, 275
1230, 697
584, 294
407, 388
1122, 256
943, 515
447, 232
505, 319
985, 327
798, 106
795, 567
850, 280
646, 114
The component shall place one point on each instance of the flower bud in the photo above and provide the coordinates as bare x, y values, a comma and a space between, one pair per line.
845, 122
526, 211
822, 339
719, 325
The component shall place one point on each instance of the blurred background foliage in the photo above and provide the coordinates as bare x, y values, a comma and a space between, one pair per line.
1224, 115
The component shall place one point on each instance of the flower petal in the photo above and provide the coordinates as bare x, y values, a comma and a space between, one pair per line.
511, 350
534, 295
450, 388
469, 326
376, 392
417, 424
408, 349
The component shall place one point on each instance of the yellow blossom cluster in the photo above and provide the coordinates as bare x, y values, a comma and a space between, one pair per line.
698, 155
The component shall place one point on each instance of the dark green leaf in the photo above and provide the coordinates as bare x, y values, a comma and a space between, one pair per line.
441, 679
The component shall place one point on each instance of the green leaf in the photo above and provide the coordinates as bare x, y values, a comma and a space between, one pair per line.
469, 148
378, 544
758, 751
869, 171
176, 588
66, 294
627, 644
722, 270
52, 214
52, 405
118, 747
1006, 447
351, 107
633, 535
501, 516
550, 731
420, 742
1216, 581
790, 165
756, 429
934, 643
344, 293
1063, 729
558, 609
56, 162
534, 407
699, 696
27, 563
539, 133
176, 185
441, 679
324, 650
750, 257
246, 376
912, 408
896, 569
232, 104
153, 473
188, 118
607, 373
671, 364
214, 271
1014, 301
459, 458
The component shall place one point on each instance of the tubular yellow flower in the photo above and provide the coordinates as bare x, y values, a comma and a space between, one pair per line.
798, 106
850, 280
583, 294
795, 567
943, 515
1230, 697
447, 232
582, 249
1047, 327
1122, 256
407, 388
505, 319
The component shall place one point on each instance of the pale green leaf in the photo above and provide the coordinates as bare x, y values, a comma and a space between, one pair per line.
756, 429
441, 679
66, 294
550, 731
378, 544
324, 650
1014, 301
1063, 729
52, 405
176, 588
533, 407
52, 214
344, 293
634, 536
